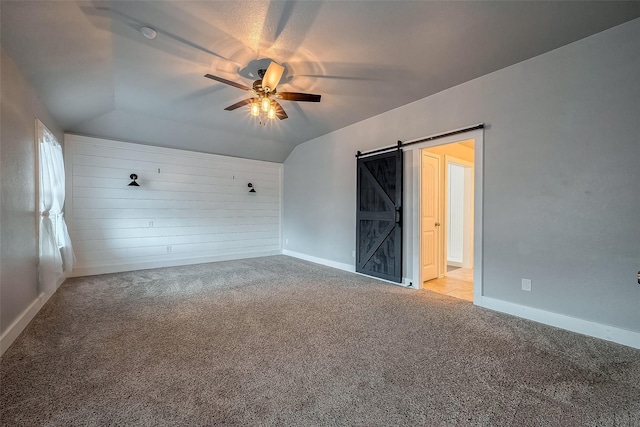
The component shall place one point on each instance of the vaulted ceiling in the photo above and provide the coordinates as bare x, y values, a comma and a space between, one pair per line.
99, 76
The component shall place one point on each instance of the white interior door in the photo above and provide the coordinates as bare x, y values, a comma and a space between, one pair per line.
430, 212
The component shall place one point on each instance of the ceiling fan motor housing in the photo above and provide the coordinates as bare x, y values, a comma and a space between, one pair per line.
258, 89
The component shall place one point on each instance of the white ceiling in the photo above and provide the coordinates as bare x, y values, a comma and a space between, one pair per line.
99, 76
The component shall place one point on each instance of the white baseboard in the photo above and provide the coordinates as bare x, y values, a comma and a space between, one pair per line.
323, 261
406, 282
118, 268
19, 325
585, 327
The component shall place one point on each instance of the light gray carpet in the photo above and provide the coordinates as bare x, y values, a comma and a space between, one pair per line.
279, 341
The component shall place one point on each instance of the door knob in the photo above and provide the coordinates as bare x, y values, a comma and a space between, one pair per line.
437, 224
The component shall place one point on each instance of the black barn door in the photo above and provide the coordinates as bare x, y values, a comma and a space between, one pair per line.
379, 216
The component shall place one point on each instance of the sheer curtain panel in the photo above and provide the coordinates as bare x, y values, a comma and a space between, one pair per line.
56, 253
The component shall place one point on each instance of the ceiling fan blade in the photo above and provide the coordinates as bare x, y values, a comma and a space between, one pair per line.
272, 76
228, 82
297, 96
239, 104
280, 111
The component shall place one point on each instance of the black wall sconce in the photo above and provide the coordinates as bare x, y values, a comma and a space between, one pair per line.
133, 183
253, 190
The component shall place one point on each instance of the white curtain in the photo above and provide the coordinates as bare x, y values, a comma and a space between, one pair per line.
56, 252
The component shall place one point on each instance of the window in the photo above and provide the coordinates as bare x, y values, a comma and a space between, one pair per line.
55, 250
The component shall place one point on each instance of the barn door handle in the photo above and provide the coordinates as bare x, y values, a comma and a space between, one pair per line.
398, 214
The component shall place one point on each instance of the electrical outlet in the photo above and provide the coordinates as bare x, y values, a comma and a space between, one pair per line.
169, 249
526, 285
286, 241
353, 254
150, 223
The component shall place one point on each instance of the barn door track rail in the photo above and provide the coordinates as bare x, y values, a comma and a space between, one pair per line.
401, 144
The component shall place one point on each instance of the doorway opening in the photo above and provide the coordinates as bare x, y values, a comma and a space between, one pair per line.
447, 218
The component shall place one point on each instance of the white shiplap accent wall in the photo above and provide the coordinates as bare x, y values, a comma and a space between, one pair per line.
190, 207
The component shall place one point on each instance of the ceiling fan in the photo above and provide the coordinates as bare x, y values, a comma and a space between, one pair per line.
265, 102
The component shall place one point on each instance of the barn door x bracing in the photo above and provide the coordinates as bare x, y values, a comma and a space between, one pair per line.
379, 216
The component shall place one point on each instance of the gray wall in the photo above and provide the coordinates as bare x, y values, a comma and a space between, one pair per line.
561, 199
19, 247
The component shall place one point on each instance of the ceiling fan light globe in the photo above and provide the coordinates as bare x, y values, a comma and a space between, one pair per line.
255, 109
272, 112
265, 103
